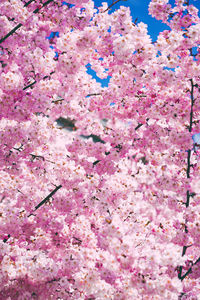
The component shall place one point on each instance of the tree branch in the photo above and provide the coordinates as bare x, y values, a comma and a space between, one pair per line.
34, 156
111, 5
187, 203
140, 124
38, 9
46, 199
20, 25
57, 101
10, 33
34, 82
29, 2
189, 270
5, 239
95, 94
192, 104
29, 85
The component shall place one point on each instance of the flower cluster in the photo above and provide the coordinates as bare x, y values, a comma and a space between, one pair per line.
100, 194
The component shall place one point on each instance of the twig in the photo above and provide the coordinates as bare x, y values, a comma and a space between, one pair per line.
29, 85
57, 101
37, 156
34, 156
95, 94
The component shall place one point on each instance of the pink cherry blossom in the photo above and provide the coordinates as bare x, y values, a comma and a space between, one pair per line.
99, 185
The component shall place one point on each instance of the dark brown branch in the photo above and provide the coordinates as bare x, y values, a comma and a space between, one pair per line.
34, 82
184, 250
111, 5
57, 101
10, 33
19, 149
5, 240
40, 157
37, 156
77, 241
20, 25
29, 2
38, 9
29, 85
188, 163
16, 27
53, 280
140, 124
46, 199
187, 203
95, 94
192, 104
96, 162
189, 270
190, 130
